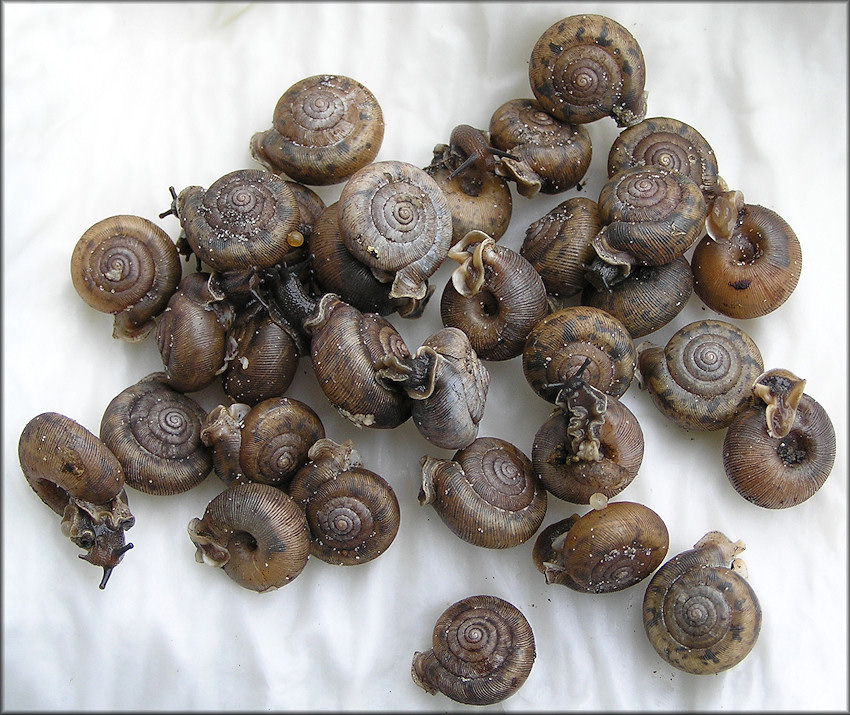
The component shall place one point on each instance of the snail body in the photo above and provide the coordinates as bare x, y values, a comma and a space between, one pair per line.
587, 67
483, 651
495, 296
154, 431
255, 533
74, 473
353, 512
700, 614
487, 494
127, 266
610, 548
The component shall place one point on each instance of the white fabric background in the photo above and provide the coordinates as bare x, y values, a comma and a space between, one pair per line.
107, 105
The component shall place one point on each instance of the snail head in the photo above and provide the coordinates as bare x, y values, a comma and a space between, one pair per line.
105, 548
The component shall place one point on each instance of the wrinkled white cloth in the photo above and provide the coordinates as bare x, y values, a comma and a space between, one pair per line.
106, 105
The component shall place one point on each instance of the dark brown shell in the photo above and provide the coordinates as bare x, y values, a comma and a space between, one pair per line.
487, 494
586, 67
754, 271
155, 432
324, 128
127, 266
483, 651
256, 533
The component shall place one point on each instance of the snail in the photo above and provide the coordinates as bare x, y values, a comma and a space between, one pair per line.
592, 443
700, 614
247, 218
482, 653
648, 298
155, 432
750, 269
610, 548
255, 533
74, 473
559, 344
266, 443
703, 376
394, 218
551, 156
353, 512
310, 207
324, 128
127, 266
650, 216
778, 452
586, 67
559, 246
192, 333
495, 296
670, 144
487, 493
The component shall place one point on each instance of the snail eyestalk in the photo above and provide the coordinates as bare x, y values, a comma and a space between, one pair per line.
173, 210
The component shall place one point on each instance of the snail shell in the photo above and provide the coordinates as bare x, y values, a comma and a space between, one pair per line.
487, 494
591, 444
483, 651
650, 216
254, 532
703, 376
586, 67
648, 298
610, 548
353, 512
74, 473
670, 144
449, 403
552, 156
754, 270
324, 128
700, 615
560, 343
192, 333
495, 296
394, 218
266, 443
155, 432
246, 219
310, 207
773, 470
559, 246
127, 266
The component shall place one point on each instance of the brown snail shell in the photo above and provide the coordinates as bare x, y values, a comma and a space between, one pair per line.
670, 144
324, 128
559, 245
779, 462
648, 298
560, 343
127, 266
591, 444
247, 218
586, 67
74, 473
703, 376
483, 651
394, 218
155, 432
487, 493
192, 333
310, 207
754, 270
353, 512
610, 548
266, 443
700, 615
495, 296
254, 532
551, 156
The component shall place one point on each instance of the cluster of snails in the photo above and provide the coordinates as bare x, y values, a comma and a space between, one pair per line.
280, 275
